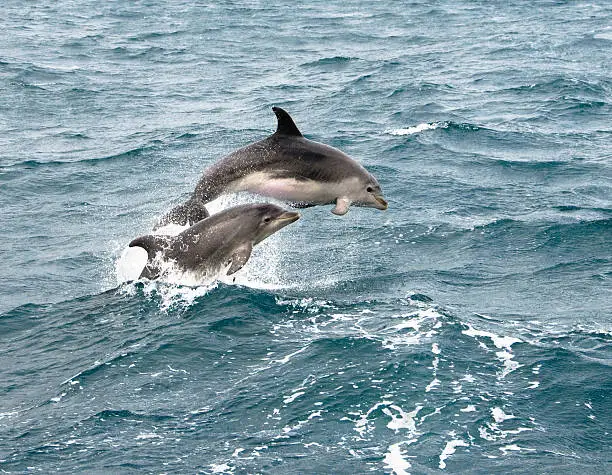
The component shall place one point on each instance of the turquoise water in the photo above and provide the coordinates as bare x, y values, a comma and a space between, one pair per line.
467, 329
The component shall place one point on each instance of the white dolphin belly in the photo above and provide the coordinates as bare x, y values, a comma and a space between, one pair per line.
288, 189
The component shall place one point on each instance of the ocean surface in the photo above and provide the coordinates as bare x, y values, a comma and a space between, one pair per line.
467, 329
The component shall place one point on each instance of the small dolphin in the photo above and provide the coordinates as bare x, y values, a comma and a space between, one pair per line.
289, 167
211, 245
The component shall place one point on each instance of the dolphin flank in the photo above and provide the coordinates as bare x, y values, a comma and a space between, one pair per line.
223, 241
288, 167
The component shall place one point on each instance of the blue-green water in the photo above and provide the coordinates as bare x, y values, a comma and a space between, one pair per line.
466, 329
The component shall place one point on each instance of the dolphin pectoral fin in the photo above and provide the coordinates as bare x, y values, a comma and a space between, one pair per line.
240, 258
342, 206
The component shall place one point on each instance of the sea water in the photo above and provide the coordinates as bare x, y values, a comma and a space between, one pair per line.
467, 329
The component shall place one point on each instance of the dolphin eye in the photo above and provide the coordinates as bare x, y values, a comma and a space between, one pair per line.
369, 189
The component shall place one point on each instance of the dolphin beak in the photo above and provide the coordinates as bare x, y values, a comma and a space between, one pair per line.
288, 217
383, 205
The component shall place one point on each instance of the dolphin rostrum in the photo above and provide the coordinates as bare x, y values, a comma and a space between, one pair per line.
289, 167
222, 242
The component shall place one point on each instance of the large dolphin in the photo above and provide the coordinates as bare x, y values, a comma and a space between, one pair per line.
289, 167
222, 241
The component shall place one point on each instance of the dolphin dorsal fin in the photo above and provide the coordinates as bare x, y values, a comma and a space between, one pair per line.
286, 126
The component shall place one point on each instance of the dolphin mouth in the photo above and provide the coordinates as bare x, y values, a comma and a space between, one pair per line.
288, 217
382, 202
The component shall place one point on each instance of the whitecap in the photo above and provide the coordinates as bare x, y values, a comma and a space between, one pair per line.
402, 420
499, 415
606, 35
293, 397
417, 128
148, 435
449, 449
434, 384
504, 343
221, 468
395, 461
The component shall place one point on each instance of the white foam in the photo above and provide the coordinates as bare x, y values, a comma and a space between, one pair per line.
175, 295
451, 447
506, 357
294, 428
499, 341
148, 435
314, 414
361, 425
434, 384
496, 433
499, 415
607, 35
395, 461
58, 398
8, 414
417, 128
503, 343
402, 420
423, 322
514, 448
221, 468
286, 358
293, 397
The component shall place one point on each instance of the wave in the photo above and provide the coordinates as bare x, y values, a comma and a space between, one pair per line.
330, 61
280, 371
127, 155
566, 86
155, 35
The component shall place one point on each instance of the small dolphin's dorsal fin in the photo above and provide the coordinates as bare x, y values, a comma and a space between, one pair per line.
286, 126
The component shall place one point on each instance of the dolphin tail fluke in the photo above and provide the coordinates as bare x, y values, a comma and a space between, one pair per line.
189, 213
151, 244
